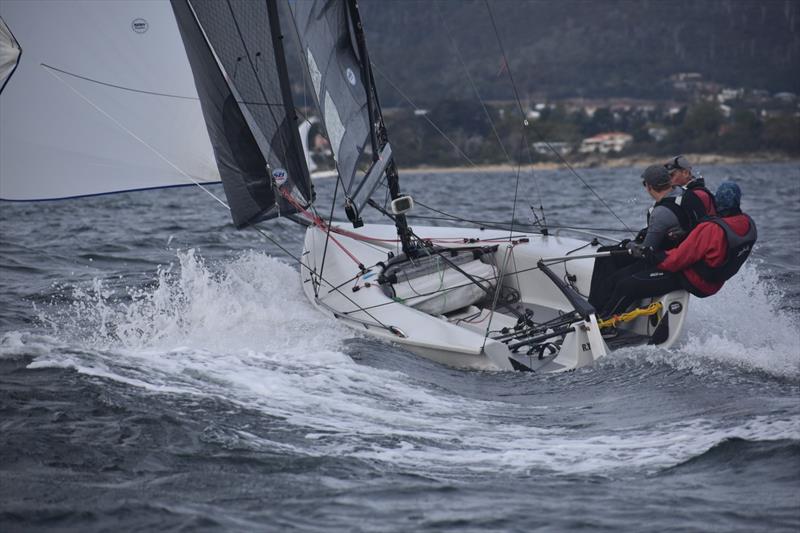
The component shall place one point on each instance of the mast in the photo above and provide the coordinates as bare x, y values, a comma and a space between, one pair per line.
378, 134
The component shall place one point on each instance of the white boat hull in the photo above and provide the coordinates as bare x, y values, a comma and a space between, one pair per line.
335, 283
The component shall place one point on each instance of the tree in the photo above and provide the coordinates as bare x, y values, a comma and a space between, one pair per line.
782, 133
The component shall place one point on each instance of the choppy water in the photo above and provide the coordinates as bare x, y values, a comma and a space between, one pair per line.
160, 370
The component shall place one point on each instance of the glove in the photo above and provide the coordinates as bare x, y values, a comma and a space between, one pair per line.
623, 244
641, 235
652, 257
637, 251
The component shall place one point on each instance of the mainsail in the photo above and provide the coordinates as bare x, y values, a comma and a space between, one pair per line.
240, 72
102, 100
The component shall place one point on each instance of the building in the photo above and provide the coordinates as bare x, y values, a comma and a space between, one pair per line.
547, 148
603, 143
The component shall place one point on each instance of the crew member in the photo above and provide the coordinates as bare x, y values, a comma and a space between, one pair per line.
698, 202
712, 253
667, 221
667, 224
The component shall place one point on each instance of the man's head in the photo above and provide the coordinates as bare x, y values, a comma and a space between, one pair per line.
656, 180
680, 170
728, 197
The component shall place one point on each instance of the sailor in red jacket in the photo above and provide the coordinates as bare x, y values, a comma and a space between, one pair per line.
712, 253
716, 249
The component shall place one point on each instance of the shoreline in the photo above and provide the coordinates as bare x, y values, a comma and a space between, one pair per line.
640, 160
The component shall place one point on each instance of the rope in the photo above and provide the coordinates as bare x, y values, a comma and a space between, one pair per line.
140, 91
320, 223
630, 315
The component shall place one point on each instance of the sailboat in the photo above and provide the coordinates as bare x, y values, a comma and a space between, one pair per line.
467, 297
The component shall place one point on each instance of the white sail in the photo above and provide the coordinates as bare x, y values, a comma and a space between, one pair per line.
9, 53
132, 119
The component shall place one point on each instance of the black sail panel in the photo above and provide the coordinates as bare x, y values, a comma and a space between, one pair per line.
335, 72
239, 69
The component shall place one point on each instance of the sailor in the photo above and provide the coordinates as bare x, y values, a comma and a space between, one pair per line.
698, 202
668, 222
667, 225
712, 253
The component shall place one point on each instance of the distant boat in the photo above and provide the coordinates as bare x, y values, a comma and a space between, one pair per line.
470, 298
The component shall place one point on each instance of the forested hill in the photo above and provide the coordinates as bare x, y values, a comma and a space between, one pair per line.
590, 48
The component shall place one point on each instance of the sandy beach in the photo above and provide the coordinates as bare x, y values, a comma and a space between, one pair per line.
641, 160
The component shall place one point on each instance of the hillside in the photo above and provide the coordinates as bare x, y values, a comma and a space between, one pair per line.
580, 48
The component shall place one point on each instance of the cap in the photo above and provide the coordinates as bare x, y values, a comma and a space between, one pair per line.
678, 162
728, 196
656, 176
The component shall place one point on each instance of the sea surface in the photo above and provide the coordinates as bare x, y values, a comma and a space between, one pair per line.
160, 370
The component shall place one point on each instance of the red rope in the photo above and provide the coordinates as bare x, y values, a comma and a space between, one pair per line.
320, 223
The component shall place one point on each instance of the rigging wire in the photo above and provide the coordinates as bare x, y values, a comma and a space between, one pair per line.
142, 141
299, 261
539, 134
328, 234
497, 224
413, 105
454, 44
521, 110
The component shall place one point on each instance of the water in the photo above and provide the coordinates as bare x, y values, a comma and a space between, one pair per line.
160, 370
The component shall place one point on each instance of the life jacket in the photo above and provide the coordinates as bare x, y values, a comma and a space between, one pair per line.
693, 204
739, 248
678, 233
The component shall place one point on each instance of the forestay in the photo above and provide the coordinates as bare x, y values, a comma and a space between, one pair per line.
240, 72
132, 119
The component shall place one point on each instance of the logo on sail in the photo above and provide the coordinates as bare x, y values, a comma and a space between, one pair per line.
280, 176
139, 25
351, 77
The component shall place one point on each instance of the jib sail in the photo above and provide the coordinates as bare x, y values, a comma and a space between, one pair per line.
237, 58
337, 72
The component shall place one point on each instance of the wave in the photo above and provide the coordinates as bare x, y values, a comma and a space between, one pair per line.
741, 328
252, 302
738, 452
241, 332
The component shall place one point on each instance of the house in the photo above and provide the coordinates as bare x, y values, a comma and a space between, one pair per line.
547, 148
603, 143
658, 134
728, 94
